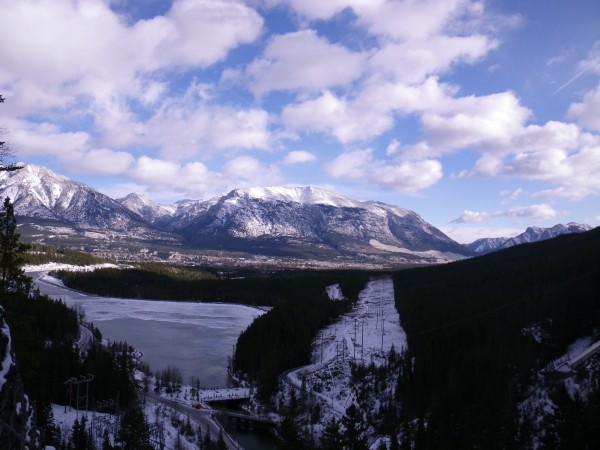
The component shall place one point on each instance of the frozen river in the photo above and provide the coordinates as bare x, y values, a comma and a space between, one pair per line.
198, 338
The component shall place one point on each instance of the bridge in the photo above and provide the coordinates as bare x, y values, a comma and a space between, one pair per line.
564, 366
245, 419
225, 394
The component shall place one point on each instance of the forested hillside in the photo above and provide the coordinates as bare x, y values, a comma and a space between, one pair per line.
479, 333
173, 283
42, 254
282, 338
43, 335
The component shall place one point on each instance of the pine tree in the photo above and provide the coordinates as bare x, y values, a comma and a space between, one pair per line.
221, 442
106, 445
354, 424
332, 437
82, 438
134, 434
12, 276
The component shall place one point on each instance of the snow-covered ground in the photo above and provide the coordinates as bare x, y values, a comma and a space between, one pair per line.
538, 405
7, 360
363, 337
70, 267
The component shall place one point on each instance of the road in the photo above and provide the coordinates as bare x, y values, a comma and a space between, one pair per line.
200, 416
85, 339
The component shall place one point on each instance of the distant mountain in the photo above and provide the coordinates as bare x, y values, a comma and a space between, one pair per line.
531, 234
39, 193
284, 219
299, 222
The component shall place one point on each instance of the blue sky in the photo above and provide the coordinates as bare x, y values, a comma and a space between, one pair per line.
482, 116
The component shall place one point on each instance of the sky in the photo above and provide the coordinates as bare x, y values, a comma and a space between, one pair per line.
481, 116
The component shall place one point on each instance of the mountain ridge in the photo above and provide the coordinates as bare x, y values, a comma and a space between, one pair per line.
290, 222
531, 234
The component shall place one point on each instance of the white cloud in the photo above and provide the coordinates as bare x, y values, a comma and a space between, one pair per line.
417, 19
587, 113
537, 212
196, 179
202, 130
68, 49
299, 157
412, 62
472, 217
351, 165
408, 176
403, 176
370, 113
467, 234
247, 171
45, 139
485, 121
303, 60
99, 161
589, 65
510, 196
392, 147
158, 174
319, 9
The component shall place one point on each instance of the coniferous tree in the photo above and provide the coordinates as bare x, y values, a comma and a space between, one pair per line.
134, 433
106, 445
221, 442
12, 276
332, 437
354, 424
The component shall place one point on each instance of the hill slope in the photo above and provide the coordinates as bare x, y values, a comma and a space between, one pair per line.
469, 327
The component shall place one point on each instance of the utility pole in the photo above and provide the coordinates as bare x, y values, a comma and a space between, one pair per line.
382, 328
322, 338
355, 339
77, 381
362, 340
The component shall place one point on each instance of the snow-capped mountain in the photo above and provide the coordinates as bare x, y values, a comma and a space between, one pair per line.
146, 208
316, 219
39, 193
531, 234
303, 222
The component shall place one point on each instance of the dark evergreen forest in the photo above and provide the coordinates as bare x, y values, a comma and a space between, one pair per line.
469, 362
43, 333
185, 284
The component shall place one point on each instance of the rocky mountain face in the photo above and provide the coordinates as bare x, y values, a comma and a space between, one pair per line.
316, 220
531, 234
302, 222
16, 413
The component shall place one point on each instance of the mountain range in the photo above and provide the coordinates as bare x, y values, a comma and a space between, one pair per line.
302, 223
531, 234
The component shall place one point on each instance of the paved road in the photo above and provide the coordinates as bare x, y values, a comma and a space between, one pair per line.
200, 416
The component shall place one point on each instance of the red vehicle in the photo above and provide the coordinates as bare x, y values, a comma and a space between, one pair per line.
197, 405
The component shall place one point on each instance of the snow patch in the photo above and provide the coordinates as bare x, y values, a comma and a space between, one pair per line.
334, 292
439, 256
7, 362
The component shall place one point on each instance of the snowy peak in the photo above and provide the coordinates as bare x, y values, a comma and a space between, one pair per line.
308, 195
301, 222
39, 193
531, 234
309, 219
146, 208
